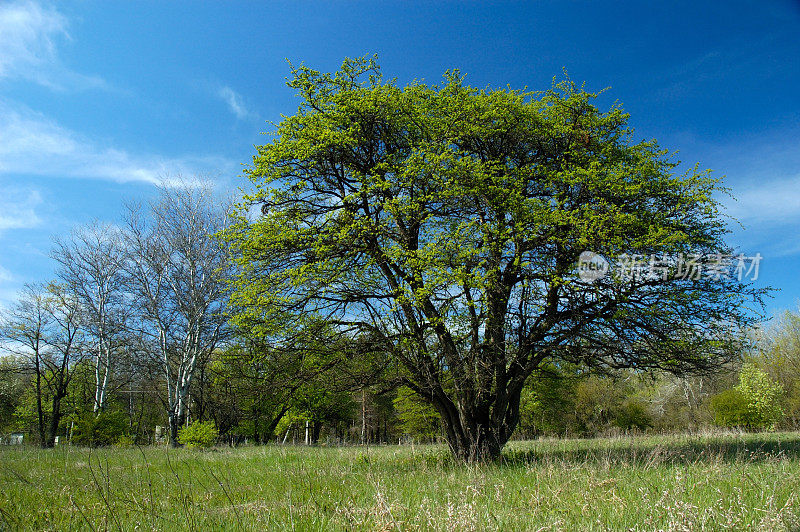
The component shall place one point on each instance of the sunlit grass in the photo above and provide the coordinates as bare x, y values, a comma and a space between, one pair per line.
644, 483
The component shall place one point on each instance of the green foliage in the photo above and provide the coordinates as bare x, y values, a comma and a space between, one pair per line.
105, 428
13, 384
632, 414
198, 435
602, 402
124, 441
445, 222
731, 408
418, 418
779, 356
25, 416
763, 396
754, 403
547, 404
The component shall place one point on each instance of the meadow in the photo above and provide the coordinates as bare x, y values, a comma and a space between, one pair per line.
699, 482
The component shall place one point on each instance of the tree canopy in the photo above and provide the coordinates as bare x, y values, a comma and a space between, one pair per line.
446, 222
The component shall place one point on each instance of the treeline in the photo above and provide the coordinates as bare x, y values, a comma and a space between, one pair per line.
130, 343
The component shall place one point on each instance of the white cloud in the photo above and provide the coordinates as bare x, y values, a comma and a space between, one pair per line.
27, 34
18, 211
5, 276
234, 101
769, 214
771, 202
33, 144
28, 37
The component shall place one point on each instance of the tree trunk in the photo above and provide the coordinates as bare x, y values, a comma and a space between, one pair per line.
55, 420
477, 443
175, 422
363, 417
270, 430
477, 437
39, 410
102, 375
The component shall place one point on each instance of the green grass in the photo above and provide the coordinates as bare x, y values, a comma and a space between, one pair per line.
734, 482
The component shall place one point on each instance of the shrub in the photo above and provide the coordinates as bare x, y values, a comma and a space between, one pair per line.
763, 397
754, 403
105, 428
198, 435
124, 441
632, 414
730, 408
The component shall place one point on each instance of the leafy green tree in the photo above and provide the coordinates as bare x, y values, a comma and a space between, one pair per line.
754, 403
250, 390
778, 355
446, 222
597, 400
44, 327
320, 405
547, 403
632, 414
99, 429
417, 417
763, 396
14, 381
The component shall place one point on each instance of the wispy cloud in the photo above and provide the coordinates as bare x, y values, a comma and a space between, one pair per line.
718, 67
18, 209
769, 202
235, 102
29, 34
33, 144
9, 289
5, 275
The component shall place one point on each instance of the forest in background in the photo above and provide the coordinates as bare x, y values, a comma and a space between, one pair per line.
85, 360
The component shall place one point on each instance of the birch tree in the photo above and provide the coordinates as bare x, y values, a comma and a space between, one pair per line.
176, 275
91, 262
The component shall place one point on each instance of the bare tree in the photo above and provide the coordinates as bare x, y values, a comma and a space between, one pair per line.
91, 262
44, 327
176, 275
23, 327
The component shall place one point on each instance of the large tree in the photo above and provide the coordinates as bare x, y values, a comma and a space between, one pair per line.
447, 221
91, 264
176, 273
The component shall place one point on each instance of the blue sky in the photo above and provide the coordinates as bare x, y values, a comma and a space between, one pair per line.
99, 100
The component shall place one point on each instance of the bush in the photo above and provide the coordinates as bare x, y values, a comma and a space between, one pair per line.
198, 435
632, 415
124, 442
763, 397
731, 408
754, 403
105, 428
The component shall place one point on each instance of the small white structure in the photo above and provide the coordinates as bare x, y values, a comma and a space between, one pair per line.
12, 439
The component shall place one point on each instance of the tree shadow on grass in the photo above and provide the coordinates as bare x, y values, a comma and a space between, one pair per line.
751, 448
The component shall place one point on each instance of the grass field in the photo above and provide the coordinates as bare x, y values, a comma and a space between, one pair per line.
739, 482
